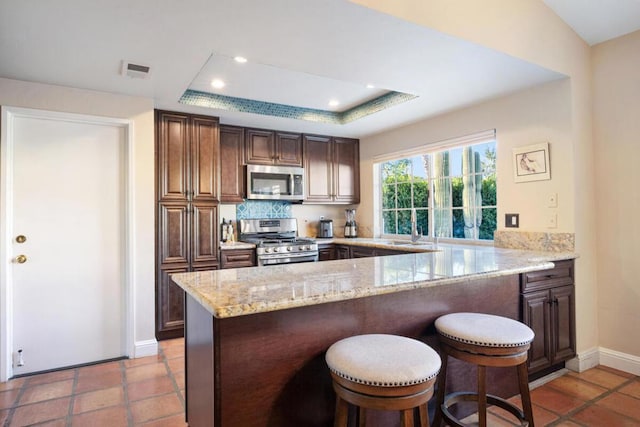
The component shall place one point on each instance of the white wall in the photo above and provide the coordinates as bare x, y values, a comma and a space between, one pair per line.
616, 133
140, 110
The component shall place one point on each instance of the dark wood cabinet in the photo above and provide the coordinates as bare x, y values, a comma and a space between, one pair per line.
268, 147
343, 252
187, 173
236, 258
548, 307
326, 252
232, 188
332, 169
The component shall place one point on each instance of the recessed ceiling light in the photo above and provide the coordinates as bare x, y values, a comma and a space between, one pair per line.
217, 83
370, 86
334, 103
240, 59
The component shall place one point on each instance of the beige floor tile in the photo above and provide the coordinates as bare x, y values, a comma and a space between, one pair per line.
150, 387
622, 404
577, 388
8, 398
600, 377
598, 416
50, 377
12, 384
554, 400
99, 381
632, 389
144, 372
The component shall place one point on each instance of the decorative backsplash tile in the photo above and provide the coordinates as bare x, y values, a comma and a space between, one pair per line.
263, 209
534, 241
230, 103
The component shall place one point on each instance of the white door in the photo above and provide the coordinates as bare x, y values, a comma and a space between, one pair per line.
68, 202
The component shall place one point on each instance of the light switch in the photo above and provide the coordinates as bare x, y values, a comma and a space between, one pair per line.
552, 200
511, 220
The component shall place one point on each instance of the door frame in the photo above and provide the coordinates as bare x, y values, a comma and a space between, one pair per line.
7, 117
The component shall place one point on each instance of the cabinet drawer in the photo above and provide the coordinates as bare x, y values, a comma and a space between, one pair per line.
238, 258
561, 274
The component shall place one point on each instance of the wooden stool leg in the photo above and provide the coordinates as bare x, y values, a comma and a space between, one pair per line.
424, 415
482, 396
525, 395
407, 418
362, 417
342, 413
442, 382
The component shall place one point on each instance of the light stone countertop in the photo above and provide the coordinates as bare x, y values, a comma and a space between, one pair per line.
245, 291
226, 246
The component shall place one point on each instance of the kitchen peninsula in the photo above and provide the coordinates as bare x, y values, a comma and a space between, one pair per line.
255, 337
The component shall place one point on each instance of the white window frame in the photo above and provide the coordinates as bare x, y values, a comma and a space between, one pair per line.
431, 148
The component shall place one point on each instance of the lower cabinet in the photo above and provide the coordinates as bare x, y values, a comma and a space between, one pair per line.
548, 307
343, 252
236, 258
326, 252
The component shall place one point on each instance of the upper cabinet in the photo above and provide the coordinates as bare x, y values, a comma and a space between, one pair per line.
187, 153
231, 164
267, 147
332, 169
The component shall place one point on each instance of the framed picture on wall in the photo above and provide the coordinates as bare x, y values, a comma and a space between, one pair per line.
531, 163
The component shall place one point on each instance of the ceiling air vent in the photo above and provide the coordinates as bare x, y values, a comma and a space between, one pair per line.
135, 71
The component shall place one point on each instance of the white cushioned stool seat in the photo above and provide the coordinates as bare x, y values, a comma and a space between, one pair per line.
382, 372
484, 329
383, 360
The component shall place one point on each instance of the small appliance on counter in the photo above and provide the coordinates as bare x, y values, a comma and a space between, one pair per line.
350, 227
325, 228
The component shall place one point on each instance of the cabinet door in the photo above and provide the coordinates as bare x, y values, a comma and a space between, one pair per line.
362, 252
204, 234
172, 133
318, 169
343, 252
205, 159
236, 258
536, 315
564, 329
346, 170
327, 253
288, 149
169, 305
231, 164
173, 233
260, 146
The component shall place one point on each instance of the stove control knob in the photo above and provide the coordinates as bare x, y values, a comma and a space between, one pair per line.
289, 248
276, 249
267, 250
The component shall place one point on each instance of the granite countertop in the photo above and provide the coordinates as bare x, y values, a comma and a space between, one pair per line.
226, 246
245, 291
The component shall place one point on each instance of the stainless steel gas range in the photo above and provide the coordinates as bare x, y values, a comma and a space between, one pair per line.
277, 242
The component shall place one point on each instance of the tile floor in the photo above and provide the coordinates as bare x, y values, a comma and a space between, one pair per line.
150, 392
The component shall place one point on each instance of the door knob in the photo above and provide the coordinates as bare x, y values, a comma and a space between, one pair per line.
21, 259
21, 239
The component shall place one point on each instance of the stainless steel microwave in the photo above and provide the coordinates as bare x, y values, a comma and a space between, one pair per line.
275, 182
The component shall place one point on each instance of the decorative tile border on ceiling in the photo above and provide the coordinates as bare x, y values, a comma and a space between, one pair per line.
243, 105
263, 209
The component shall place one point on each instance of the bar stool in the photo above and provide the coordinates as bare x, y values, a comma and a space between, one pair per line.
385, 372
484, 340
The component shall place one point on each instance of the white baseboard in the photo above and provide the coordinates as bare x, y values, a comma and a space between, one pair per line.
621, 361
585, 360
145, 348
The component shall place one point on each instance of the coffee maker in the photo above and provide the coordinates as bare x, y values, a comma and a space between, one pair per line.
350, 227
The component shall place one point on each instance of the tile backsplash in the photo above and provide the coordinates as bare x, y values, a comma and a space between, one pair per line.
263, 209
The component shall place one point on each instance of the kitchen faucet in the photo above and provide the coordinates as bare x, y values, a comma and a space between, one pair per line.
415, 235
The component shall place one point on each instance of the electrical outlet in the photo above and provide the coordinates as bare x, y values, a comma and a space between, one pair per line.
552, 200
552, 220
512, 220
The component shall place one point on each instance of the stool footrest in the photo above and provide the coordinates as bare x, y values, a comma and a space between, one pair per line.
463, 396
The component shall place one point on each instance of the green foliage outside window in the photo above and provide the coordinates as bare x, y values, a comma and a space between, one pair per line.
406, 185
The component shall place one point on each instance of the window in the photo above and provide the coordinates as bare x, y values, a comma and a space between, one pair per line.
453, 191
